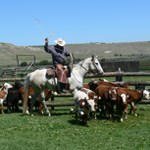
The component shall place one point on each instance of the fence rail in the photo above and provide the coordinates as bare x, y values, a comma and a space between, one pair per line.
59, 104
118, 75
107, 74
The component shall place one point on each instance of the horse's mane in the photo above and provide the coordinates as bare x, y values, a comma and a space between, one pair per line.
82, 61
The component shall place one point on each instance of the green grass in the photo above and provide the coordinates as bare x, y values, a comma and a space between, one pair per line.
62, 132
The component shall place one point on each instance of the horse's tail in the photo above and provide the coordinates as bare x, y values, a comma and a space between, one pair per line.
25, 96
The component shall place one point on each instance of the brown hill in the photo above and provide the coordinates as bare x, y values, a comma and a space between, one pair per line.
132, 50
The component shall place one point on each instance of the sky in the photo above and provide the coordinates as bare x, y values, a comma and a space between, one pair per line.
29, 22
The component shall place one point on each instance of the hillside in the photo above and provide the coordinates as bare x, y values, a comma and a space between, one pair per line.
133, 50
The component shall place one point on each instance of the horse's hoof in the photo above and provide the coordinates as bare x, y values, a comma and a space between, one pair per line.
27, 112
135, 115
71, 110
121, 120
126, 118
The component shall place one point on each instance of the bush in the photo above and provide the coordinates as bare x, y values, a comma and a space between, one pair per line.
23, 64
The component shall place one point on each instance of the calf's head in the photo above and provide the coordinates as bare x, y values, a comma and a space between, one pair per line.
112, 94
146, 94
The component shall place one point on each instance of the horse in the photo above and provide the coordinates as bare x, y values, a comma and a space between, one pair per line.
81, 69
39, 81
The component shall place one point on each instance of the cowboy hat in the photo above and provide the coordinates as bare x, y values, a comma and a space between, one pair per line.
60, 42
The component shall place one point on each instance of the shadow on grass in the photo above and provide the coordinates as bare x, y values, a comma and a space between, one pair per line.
74, 121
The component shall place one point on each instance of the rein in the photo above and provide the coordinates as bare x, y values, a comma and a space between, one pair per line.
83, 67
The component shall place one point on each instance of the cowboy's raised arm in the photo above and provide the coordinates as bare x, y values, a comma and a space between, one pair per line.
46, 47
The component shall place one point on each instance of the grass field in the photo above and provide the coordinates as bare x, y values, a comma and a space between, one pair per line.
62, 132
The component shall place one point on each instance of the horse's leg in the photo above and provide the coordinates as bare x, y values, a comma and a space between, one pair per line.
2, 108
34, 98
44, 103
133, 108
25, 96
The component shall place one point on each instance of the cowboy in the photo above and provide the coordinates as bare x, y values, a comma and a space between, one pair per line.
59, 58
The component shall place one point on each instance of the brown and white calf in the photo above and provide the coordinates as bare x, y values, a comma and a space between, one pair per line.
3, 96
83, 105
135, 96
120, 102
125, 97
106, 94
92, 100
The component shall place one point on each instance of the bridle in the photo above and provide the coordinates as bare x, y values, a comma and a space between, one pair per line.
94, 64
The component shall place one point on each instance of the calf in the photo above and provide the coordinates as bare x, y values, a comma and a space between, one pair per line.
93, 84
82, 110
120, 102
3, 95
105, 96
92, 100
135, 96
13, 98
89, 106
125, 97
7, 86
81, 105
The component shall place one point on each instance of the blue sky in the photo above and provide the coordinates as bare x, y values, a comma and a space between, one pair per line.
28, 22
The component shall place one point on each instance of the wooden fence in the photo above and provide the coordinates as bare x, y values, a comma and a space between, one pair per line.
124, 65
118, 75
119, 78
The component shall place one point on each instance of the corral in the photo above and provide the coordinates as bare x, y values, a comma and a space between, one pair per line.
60, 131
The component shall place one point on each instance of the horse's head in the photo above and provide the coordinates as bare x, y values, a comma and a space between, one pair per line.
95, 66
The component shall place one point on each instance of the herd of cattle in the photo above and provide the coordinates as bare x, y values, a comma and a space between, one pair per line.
110, 100
11, 95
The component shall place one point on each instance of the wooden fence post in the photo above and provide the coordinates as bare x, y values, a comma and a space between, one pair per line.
52, 100
119, 76
140, 87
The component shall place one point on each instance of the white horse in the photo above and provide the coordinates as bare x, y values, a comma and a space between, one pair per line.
39, 81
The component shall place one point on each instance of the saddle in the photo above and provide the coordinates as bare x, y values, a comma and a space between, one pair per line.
51, 72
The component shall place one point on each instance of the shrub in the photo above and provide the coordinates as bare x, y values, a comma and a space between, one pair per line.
23, 64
